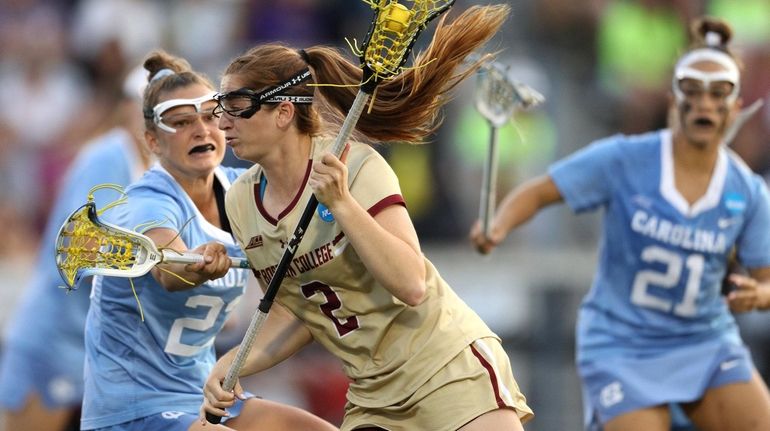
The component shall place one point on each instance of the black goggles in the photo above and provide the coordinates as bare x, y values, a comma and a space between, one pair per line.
245, 102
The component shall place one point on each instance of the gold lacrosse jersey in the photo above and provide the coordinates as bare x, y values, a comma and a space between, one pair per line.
388, 348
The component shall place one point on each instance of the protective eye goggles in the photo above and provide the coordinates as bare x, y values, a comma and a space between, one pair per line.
171, 123
684, 71
244, 102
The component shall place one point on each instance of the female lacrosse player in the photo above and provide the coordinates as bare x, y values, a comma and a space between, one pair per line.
654, 329
41, 370
418, 357
149, 340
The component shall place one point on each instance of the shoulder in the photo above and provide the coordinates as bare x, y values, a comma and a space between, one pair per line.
154, 178
245, 179
361, 153
358, 155
743, 173
624, 149
156, 183
229, 174
630, 144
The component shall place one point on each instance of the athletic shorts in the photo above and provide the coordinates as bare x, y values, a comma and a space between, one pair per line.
171, 420
620, 384
476, 381
23, 373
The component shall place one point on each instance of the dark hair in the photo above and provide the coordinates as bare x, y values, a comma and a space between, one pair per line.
183, 75
405, 108
702, 26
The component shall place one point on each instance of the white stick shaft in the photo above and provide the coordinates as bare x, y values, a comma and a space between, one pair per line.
489, 184
174, 257
257, 320
350, 122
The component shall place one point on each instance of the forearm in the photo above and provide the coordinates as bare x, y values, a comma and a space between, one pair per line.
395, 263
523, 203
174, 277
281, 336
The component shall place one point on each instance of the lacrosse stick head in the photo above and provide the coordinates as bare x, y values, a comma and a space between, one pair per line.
87, 246
392, 34
498, 96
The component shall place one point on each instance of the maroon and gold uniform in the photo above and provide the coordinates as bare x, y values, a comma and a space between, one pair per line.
394, 354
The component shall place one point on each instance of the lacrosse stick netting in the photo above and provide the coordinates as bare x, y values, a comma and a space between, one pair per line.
497, 98
85, 245
383, 54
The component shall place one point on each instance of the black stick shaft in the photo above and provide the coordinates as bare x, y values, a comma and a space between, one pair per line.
259, 317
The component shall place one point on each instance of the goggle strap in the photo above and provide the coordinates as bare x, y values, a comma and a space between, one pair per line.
297, 79
292, 99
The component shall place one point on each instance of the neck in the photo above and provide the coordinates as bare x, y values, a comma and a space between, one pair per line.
694, 156
285, 169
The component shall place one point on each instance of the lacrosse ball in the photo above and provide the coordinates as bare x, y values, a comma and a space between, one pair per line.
396, 17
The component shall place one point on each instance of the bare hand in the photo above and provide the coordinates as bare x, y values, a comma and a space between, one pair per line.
215, 398
329, 178
481, 242
215, 263
745, 296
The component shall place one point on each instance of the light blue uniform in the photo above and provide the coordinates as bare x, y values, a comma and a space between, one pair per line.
137, 369
43, 341
654, 328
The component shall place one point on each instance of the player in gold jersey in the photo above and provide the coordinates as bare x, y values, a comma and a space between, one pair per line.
418, 357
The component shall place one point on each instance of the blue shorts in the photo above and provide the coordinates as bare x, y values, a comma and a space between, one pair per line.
619, 384
23, 372
171, 420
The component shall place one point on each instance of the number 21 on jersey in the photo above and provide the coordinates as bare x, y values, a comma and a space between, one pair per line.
669, 279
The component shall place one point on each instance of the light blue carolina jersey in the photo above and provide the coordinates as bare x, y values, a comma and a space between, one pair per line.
47, 325
134, 368
661, 260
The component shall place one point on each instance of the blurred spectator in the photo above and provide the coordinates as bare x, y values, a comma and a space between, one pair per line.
38, 75
637, 42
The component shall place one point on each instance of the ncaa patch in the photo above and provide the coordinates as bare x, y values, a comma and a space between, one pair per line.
324, 213
735, 203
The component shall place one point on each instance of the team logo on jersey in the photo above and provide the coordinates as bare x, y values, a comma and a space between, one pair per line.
735, 203
254, 242
611, 394
324, 213
172, 415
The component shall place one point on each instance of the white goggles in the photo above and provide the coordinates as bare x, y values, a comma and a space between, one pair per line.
684, 70
162, 107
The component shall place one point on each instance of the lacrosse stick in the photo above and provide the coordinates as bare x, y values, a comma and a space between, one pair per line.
391, 36
741, 119
497, 98
88, 246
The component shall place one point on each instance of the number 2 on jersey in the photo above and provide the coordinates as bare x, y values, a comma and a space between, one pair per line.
332, 303
668, 279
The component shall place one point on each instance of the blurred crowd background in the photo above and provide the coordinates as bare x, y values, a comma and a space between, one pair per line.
603, 65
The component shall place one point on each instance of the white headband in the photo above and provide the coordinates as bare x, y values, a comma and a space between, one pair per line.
684, 70
162, 107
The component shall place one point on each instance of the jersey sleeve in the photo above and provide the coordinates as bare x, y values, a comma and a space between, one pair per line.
149, 209
754, 242
584, 179
375, 185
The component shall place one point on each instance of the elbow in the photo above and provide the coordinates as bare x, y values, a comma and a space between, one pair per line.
415, 294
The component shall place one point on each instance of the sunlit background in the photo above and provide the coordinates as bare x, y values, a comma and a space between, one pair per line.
603, 65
